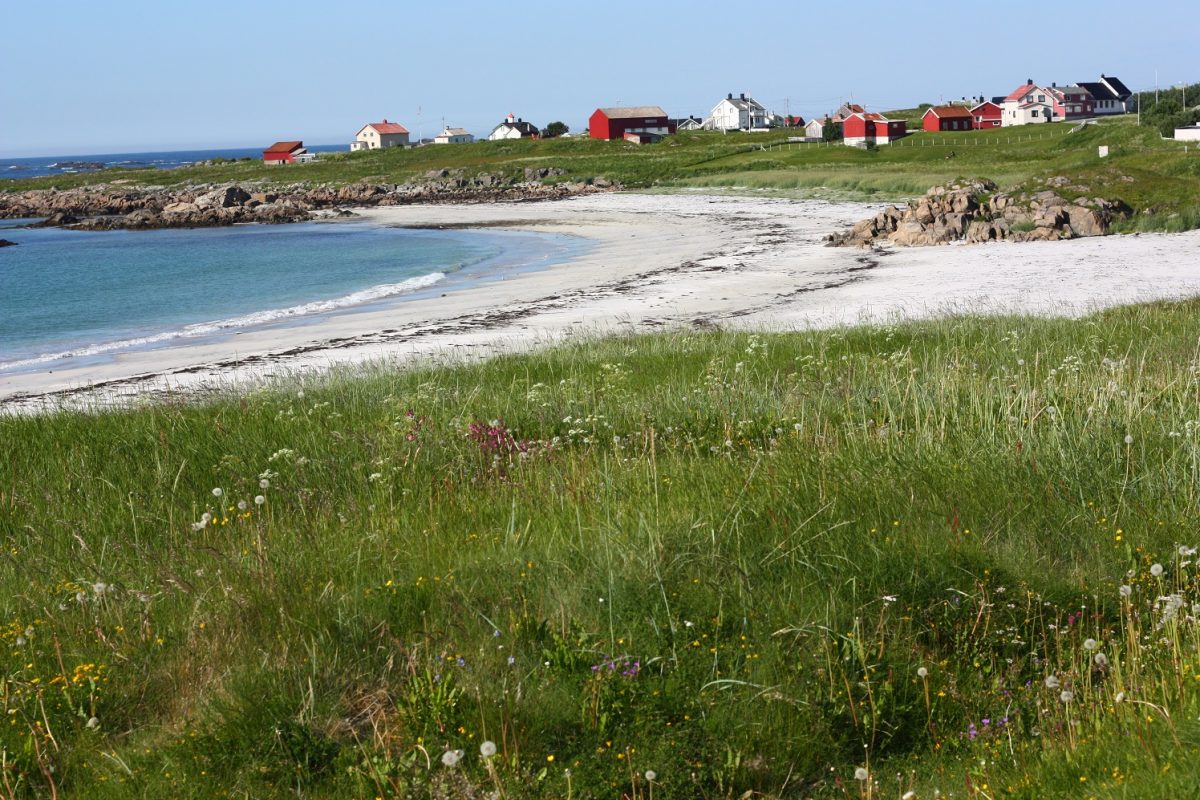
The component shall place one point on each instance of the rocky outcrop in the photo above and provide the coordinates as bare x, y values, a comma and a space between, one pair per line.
108, 207
974, 212
7, 243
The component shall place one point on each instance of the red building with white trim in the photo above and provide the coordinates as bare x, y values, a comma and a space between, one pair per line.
869, 127
939, 119
986, 115
283, 152
614, 123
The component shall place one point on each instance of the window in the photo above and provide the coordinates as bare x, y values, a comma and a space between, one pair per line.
1034, 113
1041, 98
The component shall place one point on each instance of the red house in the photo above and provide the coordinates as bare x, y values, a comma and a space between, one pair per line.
947, 118
614, 123
283, 152
986, 115
868, 127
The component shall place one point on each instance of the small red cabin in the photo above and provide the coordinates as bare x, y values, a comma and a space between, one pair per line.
986, 115
947, 118
283, 152
870, 127
614, 123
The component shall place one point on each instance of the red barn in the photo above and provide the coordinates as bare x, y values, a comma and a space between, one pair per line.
947, 118
614, 123
986, 115
868, 127
283, 152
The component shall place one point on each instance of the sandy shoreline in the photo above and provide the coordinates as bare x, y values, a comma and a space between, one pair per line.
658, 261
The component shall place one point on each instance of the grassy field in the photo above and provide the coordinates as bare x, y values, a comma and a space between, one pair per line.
949, 559
1149, 173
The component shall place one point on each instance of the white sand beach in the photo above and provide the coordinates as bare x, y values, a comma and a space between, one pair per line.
658, 261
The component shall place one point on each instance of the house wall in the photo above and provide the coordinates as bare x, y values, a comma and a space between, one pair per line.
1187, 134
601, 127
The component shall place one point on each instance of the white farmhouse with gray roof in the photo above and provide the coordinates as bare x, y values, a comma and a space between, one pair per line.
739, 113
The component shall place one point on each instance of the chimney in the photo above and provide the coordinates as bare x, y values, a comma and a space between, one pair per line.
1029, 82
743, 95
729, 96
1053, 85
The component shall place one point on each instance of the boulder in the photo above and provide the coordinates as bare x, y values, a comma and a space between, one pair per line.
1086, 221
7, 243
226, 197
180, 208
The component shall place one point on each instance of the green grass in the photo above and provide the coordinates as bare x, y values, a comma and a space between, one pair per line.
719, 557
1157, 178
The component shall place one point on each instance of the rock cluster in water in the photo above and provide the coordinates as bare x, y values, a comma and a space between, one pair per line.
109, 206
974, 211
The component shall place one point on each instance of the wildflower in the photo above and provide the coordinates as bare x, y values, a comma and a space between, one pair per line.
1101, 660
1125, 590
264, 484
487, 749
1066, 696
1156, 570
1051, 682
909, 795
93, 723
512, 660
1089, 644
1185, 551
922, 673
19, 641
651, 775
259, 500
1119, 698
861, 774
218, 491
451, 758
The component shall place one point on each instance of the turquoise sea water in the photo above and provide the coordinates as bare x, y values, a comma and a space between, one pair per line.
69, 296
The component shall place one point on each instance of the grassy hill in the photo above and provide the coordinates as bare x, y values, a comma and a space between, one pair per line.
1149, 173
946, 556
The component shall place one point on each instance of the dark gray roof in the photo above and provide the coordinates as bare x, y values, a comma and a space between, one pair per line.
632, 112
1121, 90
1100, 91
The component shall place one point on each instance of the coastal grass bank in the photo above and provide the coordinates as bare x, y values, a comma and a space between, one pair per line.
941, 559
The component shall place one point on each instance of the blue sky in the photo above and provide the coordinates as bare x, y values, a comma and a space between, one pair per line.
130, 75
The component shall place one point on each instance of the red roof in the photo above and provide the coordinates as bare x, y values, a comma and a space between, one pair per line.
284, 147
1019, 92
949, 112
386, 128
855, 108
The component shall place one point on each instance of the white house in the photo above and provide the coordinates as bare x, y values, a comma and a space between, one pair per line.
453, 136
1111, 96
378, 135
514, 128
1027, 104
739, 113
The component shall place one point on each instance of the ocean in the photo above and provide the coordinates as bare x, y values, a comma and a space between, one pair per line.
60, 165
73, 297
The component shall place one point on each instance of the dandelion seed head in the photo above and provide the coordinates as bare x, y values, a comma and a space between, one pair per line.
1125, 590
264, 484
451, 758
1066, 696
1156, 570
93, 723
487, 749
243, 505
1051, 682
259, 500
1101, 660
922, 672
651, 775
218, 491
861, 774
1128, 438
1090, 644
